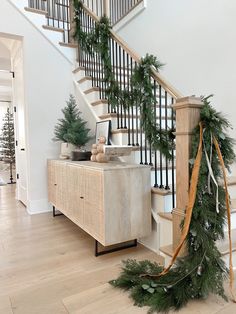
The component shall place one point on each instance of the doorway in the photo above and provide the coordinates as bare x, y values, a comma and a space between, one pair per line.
11, 63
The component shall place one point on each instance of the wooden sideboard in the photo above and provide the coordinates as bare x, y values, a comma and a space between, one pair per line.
111, 202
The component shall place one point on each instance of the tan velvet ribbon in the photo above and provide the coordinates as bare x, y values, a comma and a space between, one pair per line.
189, 211
192, 198
227, 202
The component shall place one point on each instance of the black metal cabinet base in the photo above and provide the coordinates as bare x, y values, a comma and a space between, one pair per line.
122, 247
54, 212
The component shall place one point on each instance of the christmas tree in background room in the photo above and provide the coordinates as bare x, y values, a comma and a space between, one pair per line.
7, 141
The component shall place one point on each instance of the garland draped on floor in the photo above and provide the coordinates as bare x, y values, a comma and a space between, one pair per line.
201, 271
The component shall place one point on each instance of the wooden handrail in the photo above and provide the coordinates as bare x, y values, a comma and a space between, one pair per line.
157, 76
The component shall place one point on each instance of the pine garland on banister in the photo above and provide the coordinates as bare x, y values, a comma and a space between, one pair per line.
201, 271
141, 91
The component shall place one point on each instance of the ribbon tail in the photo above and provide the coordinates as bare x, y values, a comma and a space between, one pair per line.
191, 202
227, 201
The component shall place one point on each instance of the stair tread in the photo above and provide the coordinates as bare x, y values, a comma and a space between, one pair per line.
167, 216
78, 69
38, 11
53, 28
68, 45
161, 191
84, 79
99, 102
92, 89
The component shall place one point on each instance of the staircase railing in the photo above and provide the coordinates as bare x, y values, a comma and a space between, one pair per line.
115, 9
123, 62
120, 8
57, 14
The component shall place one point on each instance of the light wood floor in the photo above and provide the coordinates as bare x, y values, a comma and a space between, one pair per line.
47, 266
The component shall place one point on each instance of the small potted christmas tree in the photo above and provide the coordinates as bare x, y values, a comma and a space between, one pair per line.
7, 143
72, 131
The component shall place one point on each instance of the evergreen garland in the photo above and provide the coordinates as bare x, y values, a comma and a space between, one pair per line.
72, 128
201, 271
141, 93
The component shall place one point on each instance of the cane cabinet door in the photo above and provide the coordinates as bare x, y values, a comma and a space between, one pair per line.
93, 203
75, 193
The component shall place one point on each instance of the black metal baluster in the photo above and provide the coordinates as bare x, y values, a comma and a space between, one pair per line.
150, 146
99, 75
113, 67
117, 80
160, 123
155, 153
132, 107
166, 129
128, 91
57, 13
124, 88
64, 19
172, 156
141, 141
120, 85
136, 114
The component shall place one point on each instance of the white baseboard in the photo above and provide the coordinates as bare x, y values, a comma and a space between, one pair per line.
38, 207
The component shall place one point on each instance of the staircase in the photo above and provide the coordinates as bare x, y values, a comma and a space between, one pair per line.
88, 76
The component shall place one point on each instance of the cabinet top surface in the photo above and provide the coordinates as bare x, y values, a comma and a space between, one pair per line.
102, 166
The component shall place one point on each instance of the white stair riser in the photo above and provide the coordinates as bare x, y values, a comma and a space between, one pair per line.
54, 37
166, 232
153, 240
85, 85
162, 203
100, 109
93, 96
69, 52
78, 75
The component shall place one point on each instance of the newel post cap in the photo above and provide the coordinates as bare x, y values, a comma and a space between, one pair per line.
188, 102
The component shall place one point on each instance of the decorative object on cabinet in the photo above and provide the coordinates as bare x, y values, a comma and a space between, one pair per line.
110, 201
98, 151
103, 129
71, 129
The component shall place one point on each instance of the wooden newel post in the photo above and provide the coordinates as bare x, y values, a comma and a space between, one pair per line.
187, 118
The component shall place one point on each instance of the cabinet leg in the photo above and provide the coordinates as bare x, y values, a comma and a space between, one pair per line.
54, 212
127, 246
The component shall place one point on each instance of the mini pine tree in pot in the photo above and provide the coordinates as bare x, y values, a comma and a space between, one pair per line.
72, 129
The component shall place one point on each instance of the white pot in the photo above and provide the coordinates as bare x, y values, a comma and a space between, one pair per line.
66, 149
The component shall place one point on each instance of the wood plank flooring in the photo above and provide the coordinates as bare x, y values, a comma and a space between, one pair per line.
47, 266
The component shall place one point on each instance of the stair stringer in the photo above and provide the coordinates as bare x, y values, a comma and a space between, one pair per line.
67, 52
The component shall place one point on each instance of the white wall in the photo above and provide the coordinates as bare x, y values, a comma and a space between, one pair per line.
196, 40
47, 84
